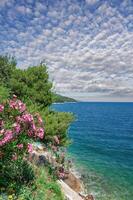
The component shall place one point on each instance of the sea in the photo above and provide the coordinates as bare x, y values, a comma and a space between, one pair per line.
102, 147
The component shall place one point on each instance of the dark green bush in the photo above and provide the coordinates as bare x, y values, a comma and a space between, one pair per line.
32, 83
7, 66
14, 174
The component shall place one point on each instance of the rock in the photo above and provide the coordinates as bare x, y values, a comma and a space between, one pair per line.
73, 182
86, 197
41, 160
69, 193
71, 185
89, 197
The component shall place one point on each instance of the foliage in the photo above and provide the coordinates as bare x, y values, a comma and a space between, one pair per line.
15, 174
33, 87
32, 83
7, 66
17, 129
59, 164
56, 123
4, 93
61, 99
21, 124
17, 125
45, 187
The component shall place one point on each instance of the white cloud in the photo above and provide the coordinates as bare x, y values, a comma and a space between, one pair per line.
89, 54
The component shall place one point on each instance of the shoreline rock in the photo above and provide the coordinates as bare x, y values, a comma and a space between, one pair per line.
72, 186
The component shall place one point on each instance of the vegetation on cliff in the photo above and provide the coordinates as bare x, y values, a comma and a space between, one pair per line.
25, 120
61, 99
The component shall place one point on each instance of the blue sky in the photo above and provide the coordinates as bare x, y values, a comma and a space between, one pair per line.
87, 44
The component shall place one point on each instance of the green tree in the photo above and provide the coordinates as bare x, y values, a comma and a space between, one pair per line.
32, 83
7, 66
4, 94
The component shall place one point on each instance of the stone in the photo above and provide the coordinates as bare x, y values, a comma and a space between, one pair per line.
73, 182
41, 160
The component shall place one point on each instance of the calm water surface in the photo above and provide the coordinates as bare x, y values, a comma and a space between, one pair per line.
103, 147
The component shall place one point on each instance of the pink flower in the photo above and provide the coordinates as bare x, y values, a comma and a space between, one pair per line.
27, 117
61, 175
12, 104
2, 131
14, 156
20, 146
40, 133
21, 106
33, 127
30, 133
16, 127
17, 104
30, 148
8, 137
14, 96
1, 108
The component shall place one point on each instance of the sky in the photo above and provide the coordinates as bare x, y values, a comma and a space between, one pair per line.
86, 44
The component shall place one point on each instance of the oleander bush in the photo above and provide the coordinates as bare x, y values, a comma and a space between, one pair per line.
18, 128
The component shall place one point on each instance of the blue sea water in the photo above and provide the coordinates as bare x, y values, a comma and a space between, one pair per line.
102, 146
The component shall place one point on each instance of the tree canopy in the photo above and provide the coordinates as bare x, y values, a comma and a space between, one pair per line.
7, 66
32, 83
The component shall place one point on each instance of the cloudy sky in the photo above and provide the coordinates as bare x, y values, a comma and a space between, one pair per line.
87, 44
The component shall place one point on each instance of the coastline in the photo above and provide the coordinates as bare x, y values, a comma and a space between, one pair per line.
64, 102
72, 186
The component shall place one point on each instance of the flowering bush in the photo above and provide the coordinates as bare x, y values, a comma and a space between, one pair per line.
17, 128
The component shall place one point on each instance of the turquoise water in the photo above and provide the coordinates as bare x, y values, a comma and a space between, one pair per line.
103, 147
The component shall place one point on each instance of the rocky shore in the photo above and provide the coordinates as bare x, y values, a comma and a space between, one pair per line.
72, 186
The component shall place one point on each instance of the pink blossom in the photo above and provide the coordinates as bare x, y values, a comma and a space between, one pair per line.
1, 108
17, 104
21, 106
12, 104
27, 117
14, 156
8, 137
20, 146
33, 126
30, 133
61, 175
30, 148
16, 127
14, 96
2, 131
18, 119
40, 133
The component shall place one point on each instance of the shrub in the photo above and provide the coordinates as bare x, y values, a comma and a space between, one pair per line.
4, 93
7, 66
32, 83
17, 128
